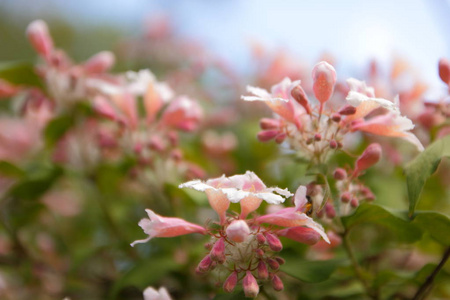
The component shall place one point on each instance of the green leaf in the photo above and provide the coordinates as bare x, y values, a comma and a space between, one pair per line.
21, 73
436, 224
374, 214
232, 296
9, 170
56, 128
311, 271
422, 167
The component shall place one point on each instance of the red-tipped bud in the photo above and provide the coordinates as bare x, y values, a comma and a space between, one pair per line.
99, 63
300, 96
324, 77
266, 123
280, 260
218, 251
260, 238
339, 174
277, 284
230, 282
274, 242
444, 70
280, 138
259, 252
336, 117
346, 197
370, 156
329, 211
267, 135
317, 137
273, 264
263, 273
354, 202
251, 287
333, 144
347, 110
238, 231
37, 33
204, 265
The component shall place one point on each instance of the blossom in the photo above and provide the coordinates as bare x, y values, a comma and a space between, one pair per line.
158, 226
152, 294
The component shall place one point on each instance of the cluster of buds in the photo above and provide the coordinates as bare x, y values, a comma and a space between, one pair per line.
242, 248
315, 131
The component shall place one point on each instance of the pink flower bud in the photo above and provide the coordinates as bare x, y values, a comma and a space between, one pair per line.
301, 234
251, 288
339, 174
266, 123
7, 89
309, 141
346, 197
347, 110
218, 251
274, 242
37, 33
280, 138
261, 238
238, 231
259, 252
324, 77
317, 137
267, 135
300, 96
263, 273
230, 282
273, 264
444, 70
354, 202
329, 211
336, 117
99, 63
370, 156
204, 265
333, 144
277, 284
280, 260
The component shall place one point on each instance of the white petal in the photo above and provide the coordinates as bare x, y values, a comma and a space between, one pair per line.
355, 99
410, 137
197, 185
262, 93
270, 198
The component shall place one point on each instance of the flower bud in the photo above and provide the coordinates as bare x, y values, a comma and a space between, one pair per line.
300, 96
260, 238
336, 117
263, 273
204, 265
329, 211
238, 231
347, 110
280, 260
317, 137
354, 202
324, 77
251, 288
369, 157
99, 63
266, 123
230, 282
333, 144
273, 264
280, 138
274, 242
259, 252
339, 174
277, 284
37, 33
218, 251
267, 135
444, 70
346, 197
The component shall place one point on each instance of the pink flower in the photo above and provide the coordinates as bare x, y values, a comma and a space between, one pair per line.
324, 77
183, 113
152, 294
158, 226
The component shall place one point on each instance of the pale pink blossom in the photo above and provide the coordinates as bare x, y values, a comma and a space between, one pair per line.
158, 226
152, 294
238, 231
182, 113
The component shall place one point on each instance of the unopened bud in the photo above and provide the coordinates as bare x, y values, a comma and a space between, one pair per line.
263, 273
444, 70
354, 202
277, 284
317, 137
259, 252
370, 156
260, 238
267, 135
339, 174
40, 38
333, 144
280, 260
251, 288
367, 193
280, 138
274, 242
204, 265
273, 264
230, 282
346, 197
300, 96
309, 141
324, 77
208, 246
336, 117
266, 123
238, 231
99, 63
347, 110
329, 211
218, 251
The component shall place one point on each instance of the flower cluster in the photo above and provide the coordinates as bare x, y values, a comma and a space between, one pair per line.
316, 131
241, 247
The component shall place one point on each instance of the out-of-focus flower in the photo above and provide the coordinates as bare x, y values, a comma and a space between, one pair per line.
152, 294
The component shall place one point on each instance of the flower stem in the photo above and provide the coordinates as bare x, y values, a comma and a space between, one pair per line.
426, 286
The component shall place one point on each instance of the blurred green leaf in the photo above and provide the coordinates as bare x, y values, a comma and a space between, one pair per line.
9, 170
422, 167
20, 73
371, 213
436, 224
239, 295
311, 271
